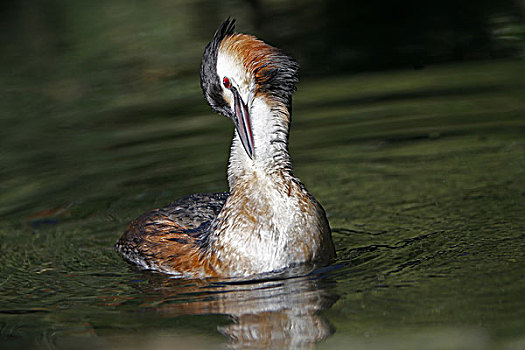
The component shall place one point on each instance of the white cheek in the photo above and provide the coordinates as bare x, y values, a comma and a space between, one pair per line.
228, 97
229, 66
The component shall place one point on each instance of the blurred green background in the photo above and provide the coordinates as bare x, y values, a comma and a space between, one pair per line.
408, 127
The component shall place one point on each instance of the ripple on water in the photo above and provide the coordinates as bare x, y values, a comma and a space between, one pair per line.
425, 191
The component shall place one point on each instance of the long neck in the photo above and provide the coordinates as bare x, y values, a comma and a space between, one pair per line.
270, 126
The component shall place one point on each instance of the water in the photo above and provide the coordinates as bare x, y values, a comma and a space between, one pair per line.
421, 174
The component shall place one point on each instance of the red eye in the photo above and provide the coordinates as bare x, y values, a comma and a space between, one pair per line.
227, 83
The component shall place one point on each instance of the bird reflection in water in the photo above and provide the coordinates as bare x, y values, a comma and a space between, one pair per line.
274, 310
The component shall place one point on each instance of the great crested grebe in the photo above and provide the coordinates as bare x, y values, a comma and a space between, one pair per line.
268, 221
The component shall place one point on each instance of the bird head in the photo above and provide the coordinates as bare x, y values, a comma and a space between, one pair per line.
238, 68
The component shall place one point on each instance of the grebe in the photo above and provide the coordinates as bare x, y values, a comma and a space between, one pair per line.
268, 221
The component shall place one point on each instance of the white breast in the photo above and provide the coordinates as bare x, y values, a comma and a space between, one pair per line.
268, 224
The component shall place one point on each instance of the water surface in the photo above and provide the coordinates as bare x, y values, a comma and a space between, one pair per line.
421, 174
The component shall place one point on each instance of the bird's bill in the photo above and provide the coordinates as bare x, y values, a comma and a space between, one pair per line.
243, 123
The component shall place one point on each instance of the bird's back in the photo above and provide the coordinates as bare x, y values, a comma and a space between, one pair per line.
173, 239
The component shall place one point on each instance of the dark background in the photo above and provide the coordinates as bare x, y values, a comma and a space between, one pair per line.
327, 37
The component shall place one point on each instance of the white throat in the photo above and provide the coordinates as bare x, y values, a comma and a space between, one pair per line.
270, 126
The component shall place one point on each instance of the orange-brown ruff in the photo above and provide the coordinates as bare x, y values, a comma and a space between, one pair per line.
268, 221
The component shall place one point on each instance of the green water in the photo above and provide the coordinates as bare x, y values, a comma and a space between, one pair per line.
421, 173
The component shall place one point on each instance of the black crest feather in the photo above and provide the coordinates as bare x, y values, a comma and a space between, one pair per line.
279, 78
210, 82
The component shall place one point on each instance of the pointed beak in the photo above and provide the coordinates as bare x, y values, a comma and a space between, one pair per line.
242, 122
